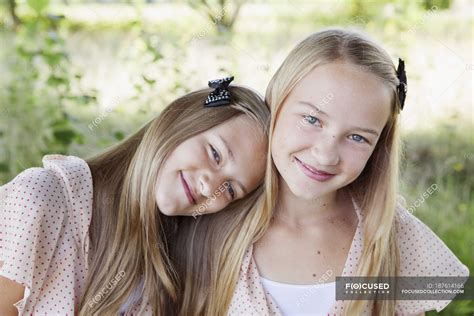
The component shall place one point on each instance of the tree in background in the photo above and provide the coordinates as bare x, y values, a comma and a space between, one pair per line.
37, 90
223, 13
12, 11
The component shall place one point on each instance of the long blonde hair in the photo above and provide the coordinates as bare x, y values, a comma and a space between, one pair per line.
129, 236
374, 190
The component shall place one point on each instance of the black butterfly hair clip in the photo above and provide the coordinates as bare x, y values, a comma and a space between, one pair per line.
221, 94
402, 86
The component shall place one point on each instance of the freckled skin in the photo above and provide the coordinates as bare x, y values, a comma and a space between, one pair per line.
314, 222
196, 161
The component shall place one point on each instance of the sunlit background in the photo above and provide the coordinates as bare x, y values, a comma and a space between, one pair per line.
78, 76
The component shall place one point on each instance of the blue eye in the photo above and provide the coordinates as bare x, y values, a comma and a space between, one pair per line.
311, 119
215, 154
358, 138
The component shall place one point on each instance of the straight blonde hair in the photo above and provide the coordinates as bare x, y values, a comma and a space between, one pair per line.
129, 236
374, 190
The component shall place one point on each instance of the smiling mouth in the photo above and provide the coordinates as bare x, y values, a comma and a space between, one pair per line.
314, 173
187, 190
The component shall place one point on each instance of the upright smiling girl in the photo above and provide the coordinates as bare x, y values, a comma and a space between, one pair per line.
330, 203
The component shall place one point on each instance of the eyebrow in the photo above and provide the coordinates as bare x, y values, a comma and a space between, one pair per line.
319, 111
367, 130
314, 106
232, 158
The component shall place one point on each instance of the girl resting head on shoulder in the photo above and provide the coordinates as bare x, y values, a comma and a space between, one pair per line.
91, 237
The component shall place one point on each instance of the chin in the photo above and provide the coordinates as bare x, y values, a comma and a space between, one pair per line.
166, 209
311, 191
300, 191
168, 213
309, 195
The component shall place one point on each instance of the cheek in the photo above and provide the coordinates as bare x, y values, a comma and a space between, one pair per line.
279, 152
288, 137
283, 128
257, 174
214, 203
165, 170
354, 161
179, 158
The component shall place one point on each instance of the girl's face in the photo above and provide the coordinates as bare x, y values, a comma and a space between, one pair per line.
328, 127
210, 170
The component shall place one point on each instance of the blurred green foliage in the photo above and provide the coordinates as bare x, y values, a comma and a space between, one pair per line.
441, 4
36, 92
444, 156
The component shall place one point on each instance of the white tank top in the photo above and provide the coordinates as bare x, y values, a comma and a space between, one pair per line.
295, 299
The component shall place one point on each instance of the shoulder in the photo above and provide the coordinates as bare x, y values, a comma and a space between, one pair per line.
60, 177
31, 188
73, 171
422, 252
60, 190
43, 227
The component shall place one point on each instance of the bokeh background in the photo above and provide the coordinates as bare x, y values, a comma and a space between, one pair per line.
77, 76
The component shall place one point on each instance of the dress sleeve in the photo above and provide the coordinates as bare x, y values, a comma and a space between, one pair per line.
33, 209
423, 253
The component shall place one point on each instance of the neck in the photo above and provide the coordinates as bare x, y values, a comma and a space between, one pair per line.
296, 211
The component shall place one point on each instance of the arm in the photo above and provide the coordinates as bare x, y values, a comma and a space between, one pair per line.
10, 293
23, 215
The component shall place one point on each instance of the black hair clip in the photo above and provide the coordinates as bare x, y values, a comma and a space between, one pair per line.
221, 94
402, 86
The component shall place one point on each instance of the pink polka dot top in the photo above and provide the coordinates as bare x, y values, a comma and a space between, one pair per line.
44, 242
422, 253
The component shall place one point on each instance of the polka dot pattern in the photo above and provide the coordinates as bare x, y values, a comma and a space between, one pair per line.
44, 221
422, 253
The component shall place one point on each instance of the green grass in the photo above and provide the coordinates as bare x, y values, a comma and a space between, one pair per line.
444, 156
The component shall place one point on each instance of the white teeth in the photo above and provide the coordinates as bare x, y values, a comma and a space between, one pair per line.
306, 166
311, 169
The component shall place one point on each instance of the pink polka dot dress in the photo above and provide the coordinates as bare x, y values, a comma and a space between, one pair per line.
44, 242
422, 253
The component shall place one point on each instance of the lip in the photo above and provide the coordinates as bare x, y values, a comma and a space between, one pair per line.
187, 189
314, 173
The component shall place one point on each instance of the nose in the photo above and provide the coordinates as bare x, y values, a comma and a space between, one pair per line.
209, 182
325, 151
